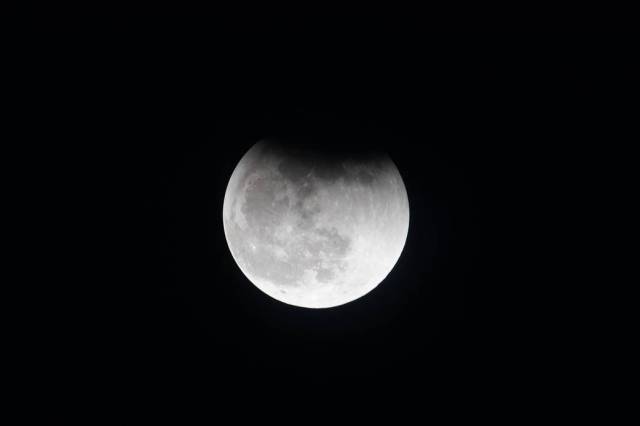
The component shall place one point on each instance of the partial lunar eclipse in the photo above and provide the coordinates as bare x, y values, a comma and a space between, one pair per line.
315, 228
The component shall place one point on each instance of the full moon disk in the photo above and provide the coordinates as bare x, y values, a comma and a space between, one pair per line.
313, 228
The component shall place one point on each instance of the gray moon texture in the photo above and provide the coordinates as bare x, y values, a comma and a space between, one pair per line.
312, 230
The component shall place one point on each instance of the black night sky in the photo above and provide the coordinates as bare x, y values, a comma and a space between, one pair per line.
154, 122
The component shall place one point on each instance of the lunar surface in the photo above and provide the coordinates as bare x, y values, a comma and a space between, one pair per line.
313, 229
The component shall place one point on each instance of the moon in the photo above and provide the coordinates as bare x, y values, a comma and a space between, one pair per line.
312, 227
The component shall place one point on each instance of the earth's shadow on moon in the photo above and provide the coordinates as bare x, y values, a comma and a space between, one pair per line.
315, 225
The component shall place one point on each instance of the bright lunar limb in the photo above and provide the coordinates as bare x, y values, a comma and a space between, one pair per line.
315, 229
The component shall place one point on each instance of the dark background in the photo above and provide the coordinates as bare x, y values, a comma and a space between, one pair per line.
204, 307
148, 124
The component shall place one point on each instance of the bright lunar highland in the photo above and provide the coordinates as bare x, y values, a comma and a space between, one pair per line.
315, 229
